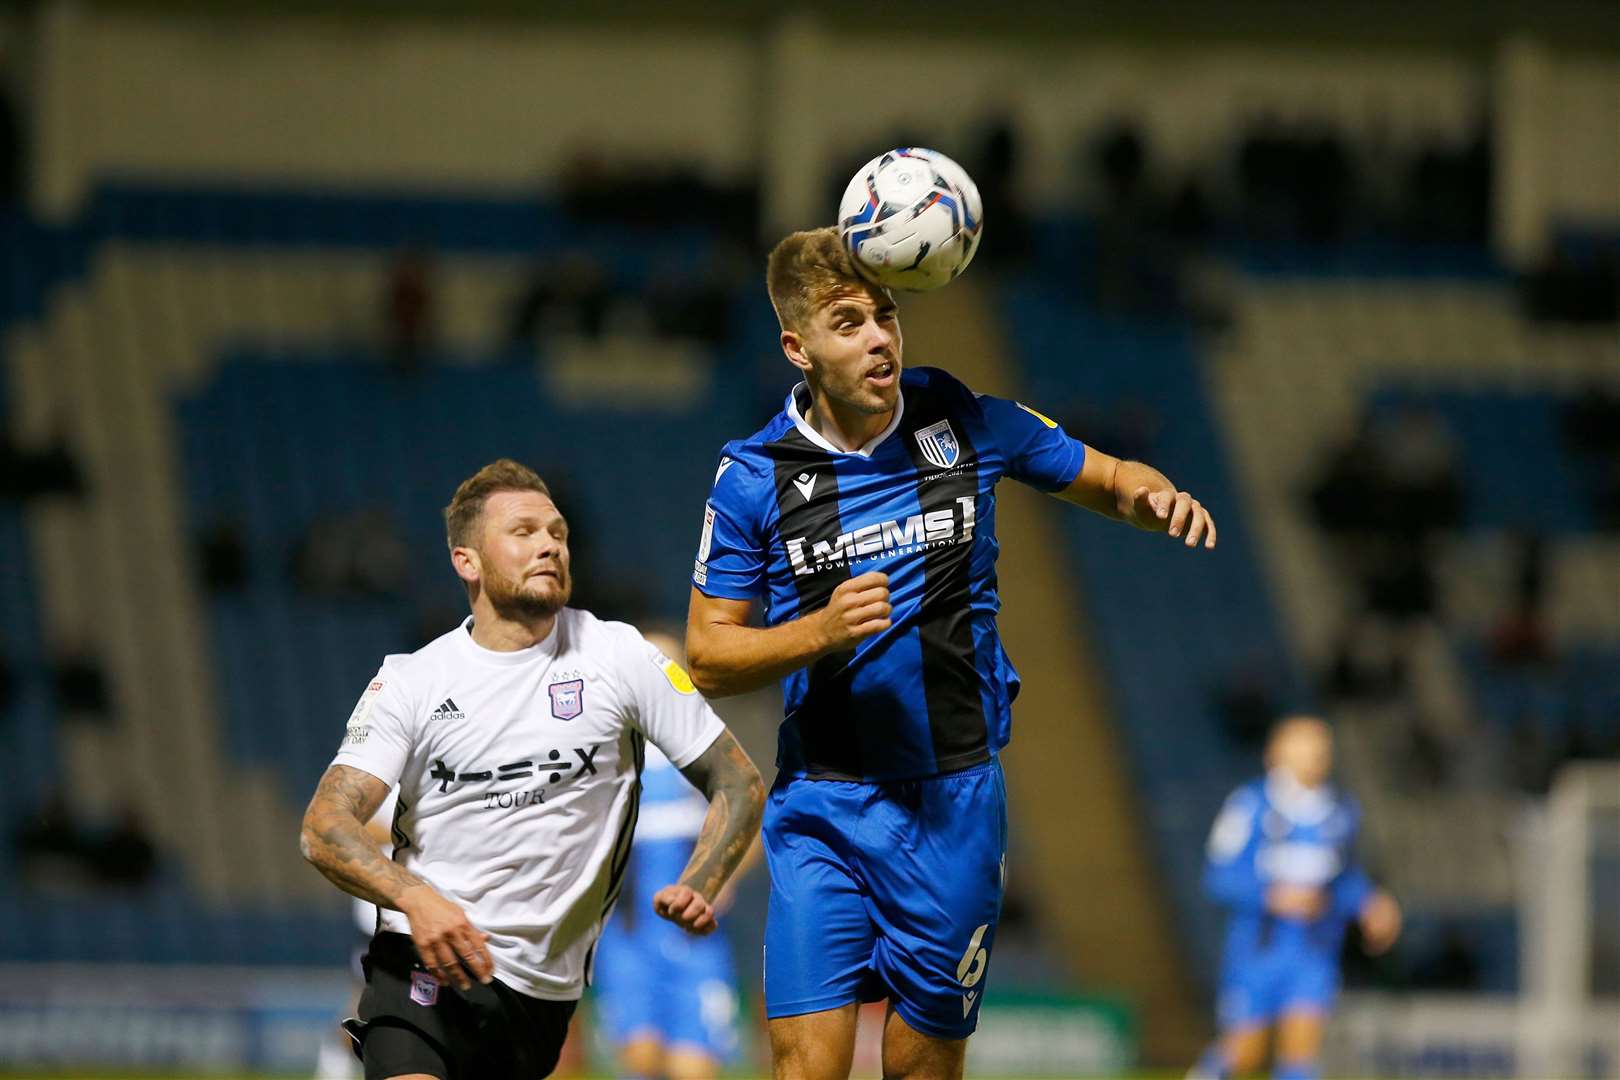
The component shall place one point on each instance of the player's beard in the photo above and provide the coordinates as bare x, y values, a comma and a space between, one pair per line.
851, 391
511, 600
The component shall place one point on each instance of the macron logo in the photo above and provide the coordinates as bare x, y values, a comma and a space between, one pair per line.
806, 483
447, 711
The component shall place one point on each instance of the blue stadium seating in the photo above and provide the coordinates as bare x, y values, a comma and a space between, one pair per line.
1156, 608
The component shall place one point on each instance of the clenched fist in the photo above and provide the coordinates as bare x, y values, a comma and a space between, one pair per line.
685, 907
858, 609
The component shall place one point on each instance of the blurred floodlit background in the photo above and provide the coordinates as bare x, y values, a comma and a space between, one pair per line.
273, 279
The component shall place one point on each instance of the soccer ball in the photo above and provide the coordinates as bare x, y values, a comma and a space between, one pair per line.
911, 218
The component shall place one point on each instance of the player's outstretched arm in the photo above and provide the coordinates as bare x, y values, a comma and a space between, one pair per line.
1139, 495
335, 840
736, 794
725, 655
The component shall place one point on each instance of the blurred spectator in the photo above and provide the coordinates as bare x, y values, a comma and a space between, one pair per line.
125, 856
1591, 426
1570, 289
1397, 476
1452, 966
81, 685
995, 169
1246, 702
571, 294
1368, 664
1396, 577
1295, 185
1591, 420
13, 163
52, 846
1520, 637
8, 683
695, 305
28, 473
357, 554
652, 194
1449, 191
222, 556
409, 327
1426, 763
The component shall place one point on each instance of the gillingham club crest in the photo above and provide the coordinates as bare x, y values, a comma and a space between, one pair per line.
939, 445
567, 698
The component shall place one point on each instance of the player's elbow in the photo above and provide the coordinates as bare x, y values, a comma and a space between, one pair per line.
706, 675
707, 681
309, 839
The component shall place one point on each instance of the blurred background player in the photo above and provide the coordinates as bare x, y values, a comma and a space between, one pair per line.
666, 1001
336, 1060
1281, 860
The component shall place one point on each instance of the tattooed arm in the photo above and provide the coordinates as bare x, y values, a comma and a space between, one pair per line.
736, 796
336, 841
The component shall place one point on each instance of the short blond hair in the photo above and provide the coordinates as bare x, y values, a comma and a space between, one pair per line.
466, 507
804, 270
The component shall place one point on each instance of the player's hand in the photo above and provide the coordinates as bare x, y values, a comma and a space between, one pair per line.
685, 907
1380, 923
858, 609
1296, 901
1175, 512
449, 945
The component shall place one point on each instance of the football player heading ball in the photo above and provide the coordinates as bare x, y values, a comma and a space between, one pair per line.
863, 517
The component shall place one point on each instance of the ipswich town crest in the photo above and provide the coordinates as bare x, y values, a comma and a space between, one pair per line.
567, 698
939, 444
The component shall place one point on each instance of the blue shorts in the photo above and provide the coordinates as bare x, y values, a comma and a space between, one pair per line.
654, 980
885, 890
1256, 990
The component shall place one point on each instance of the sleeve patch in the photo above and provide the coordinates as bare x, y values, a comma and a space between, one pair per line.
706, 541
1048, 421
675, 674
362, 708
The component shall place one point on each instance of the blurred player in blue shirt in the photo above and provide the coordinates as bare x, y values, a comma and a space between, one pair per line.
859, 526
1281, 861
665, 999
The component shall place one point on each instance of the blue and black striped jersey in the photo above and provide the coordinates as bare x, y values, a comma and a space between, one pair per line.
791, 517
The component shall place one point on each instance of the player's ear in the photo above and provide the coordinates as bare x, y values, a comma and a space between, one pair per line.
793, 348
466, 563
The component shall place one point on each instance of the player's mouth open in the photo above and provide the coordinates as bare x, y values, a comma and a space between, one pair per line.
882, 375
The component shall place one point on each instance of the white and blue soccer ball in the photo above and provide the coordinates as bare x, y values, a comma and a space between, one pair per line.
911, 219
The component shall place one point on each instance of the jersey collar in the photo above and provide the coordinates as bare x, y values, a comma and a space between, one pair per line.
544, 647
815, 436
1295, 801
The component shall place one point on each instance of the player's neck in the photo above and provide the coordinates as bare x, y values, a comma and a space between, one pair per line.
846, 428
498, 633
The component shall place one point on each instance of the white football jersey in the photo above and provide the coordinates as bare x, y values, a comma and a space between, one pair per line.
518, 776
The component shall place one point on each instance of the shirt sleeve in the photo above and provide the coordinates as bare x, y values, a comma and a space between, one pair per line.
668, 708
731, 550
1037, 450
1229, 871
379, 735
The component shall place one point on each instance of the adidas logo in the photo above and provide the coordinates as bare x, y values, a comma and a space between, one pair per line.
447, 711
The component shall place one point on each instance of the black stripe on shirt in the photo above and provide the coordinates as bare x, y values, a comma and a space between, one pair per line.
619, 860
829, 744
951, 680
